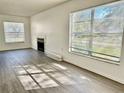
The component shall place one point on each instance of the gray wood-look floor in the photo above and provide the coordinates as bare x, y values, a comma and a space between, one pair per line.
50, 76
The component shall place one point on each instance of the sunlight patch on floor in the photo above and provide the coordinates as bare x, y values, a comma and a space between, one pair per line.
20, 71
47, 68
62, 78
84, 78
60, 67
28, 83
32, 69
44, 81
42, 76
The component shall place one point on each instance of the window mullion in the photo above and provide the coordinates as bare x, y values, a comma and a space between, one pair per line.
91, 33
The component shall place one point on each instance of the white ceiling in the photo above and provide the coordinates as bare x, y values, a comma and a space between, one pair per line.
26, 7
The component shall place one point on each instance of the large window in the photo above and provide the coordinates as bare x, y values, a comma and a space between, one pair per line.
14, 32
98, 32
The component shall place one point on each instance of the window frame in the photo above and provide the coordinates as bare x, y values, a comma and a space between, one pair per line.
88, 55
5, 32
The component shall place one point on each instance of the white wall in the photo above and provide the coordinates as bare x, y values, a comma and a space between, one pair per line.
26, 44
54, 25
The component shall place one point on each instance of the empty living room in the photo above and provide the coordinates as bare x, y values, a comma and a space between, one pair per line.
61, 46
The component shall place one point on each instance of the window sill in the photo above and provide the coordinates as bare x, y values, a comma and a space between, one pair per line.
95, 58
13, 42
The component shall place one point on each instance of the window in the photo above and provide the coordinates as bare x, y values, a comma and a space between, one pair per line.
14, 32
98, 32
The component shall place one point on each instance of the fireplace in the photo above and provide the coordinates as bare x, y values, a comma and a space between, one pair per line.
40, 44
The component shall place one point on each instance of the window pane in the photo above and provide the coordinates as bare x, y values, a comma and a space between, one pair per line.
108, 26
108, 31
81, 27
82, 16
109, 44
82, 42
14, 32
81, 35
112, 11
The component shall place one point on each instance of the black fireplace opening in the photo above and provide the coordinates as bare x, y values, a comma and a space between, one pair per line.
40, 44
